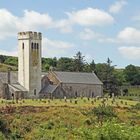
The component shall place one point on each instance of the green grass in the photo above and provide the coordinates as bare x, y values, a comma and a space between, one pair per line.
4, 67
70, 102
134, 90
60, 120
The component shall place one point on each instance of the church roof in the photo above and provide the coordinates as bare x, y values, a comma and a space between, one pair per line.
17, 87
49, 89
78, 77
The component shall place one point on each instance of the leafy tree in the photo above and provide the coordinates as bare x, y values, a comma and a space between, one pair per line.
132, 75
48, 62
13, 61
65, 64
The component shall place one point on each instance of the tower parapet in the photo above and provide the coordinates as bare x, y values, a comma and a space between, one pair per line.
29, 35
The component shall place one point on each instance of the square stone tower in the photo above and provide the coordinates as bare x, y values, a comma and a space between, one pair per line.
29, 62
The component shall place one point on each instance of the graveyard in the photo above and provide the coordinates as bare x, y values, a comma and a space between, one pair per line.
77, 118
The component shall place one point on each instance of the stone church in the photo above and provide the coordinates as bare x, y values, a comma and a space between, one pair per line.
30, 82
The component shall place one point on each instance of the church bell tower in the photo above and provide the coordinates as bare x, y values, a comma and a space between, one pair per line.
29, 62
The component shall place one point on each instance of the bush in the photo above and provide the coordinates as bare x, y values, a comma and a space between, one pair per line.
137, 106
105, 112
110, 131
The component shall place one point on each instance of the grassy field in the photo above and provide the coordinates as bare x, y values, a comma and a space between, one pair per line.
133, 93
4, 67
75, 119
84, 102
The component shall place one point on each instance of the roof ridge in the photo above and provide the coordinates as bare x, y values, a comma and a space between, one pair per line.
74, 72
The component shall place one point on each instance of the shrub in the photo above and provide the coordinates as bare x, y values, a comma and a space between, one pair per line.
137, 106
104, 111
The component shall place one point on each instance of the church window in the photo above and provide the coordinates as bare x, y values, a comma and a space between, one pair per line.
35, 92
35, 46
22, 45
32, 45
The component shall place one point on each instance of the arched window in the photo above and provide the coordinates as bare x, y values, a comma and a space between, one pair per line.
32, 45
23, 46
34, 91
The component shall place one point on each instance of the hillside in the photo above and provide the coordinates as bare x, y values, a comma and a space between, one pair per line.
69, 120
4, 67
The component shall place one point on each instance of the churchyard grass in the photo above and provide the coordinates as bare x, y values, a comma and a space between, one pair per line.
70, 119
69, 102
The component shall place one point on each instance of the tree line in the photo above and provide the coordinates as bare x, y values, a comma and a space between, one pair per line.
111, 77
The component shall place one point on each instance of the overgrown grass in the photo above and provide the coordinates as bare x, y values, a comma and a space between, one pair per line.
70, 120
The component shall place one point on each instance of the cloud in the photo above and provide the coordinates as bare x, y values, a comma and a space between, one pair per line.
90, 17
31, 20
89, 34
8, 24
57, 43
117, 6
9, 53
85, 17
55, 48
130, 52
129, 35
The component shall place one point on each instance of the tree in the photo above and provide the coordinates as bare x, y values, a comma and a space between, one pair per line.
92, 66
79, 62
106, 73
65, 64
13, 61
132, 75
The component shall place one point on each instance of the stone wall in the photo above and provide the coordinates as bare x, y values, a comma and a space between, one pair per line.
78, 90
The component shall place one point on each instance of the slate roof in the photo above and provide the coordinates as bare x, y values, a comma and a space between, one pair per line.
17, 87
78, 77
49, 89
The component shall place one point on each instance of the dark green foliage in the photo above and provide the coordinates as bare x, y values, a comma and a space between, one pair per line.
104, 111
132, 74
137, 106
125, 91
78, 62
13, 61
65, 64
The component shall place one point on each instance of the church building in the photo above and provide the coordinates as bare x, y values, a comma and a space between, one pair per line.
30, 82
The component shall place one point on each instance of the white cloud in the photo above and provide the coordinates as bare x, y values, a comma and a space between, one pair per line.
85, 17
129, 35
57, 43
31, 20
8, 24
9, 53
55, 48
130, 52
117, 6
89, 34
90, 17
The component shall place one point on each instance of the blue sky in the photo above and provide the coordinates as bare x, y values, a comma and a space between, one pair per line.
98, 28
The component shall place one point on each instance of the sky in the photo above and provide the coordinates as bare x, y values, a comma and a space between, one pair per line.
97, 28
